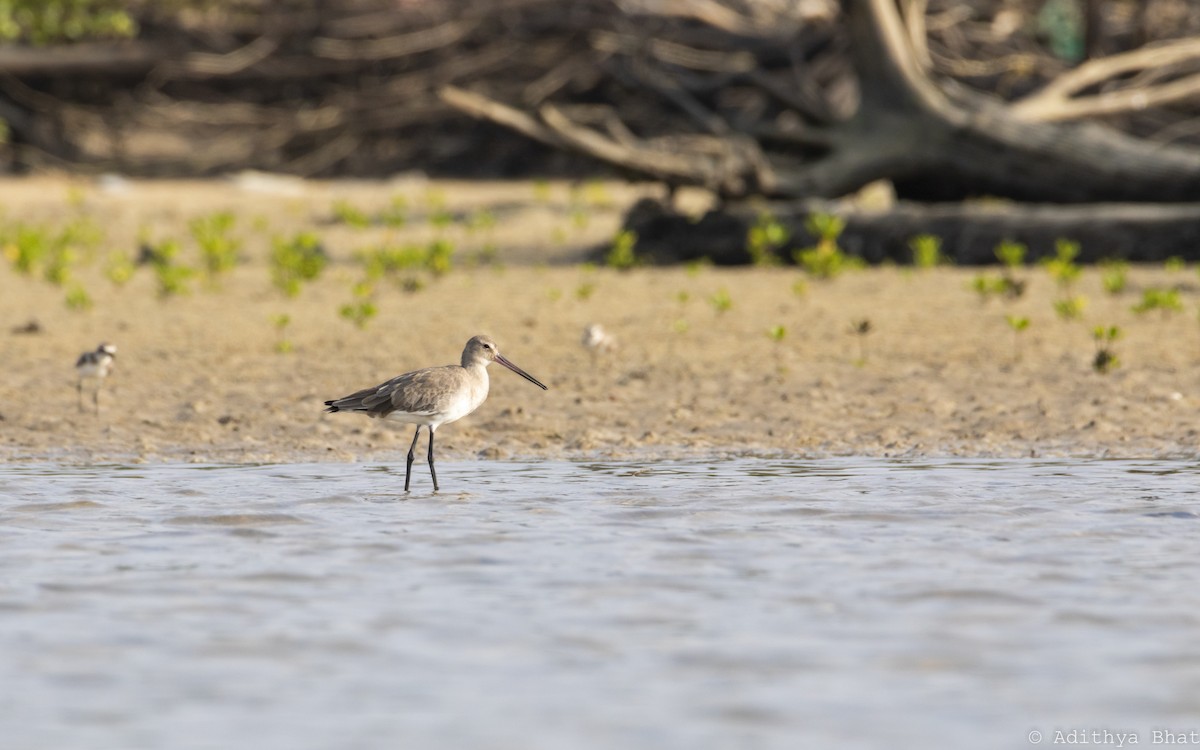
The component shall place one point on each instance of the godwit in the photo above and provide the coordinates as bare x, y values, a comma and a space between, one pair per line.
433, 396
94, 365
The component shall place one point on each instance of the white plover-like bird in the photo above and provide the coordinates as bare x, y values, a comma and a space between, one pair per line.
597, 340
431, 397
94, 365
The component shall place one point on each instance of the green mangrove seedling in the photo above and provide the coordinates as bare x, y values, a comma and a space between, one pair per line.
1105, 359
1166, 300
764, 240
721, 301
621, 254
362, 309
345, 212
218, 248
1114, 276
826, 259
296, 260
1018, 324
1070, 308
78, 299
926, 251
1062, 267
396, 214
281, 322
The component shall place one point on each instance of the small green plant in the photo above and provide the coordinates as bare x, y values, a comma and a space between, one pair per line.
776, 334
396, 214
345, 212
172, 279
721, 301
764, 240
296, 260
1011, 254
1166, 300
441, 219
1001, 286
439, 255
584, 291
1070, 308
1062, 267
171, 276
386, 260
826, 259
119, 268
362, 309
541, 191
926, 251
218, 248
58, 264
26, 248
621, 254
1175, 264
78, 299
1114, 276
281, 322
41, 23
800, 287
1017, 324
1105, 359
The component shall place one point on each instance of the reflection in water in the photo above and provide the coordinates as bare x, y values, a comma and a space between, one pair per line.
708, 604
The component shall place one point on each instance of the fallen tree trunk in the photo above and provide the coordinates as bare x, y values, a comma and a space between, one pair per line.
969, 232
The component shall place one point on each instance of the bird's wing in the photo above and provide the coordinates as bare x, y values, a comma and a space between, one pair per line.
423, 391
418, 392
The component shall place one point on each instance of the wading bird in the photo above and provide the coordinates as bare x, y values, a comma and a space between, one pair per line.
433, 396
94, 366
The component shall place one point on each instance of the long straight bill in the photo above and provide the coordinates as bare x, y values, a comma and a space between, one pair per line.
521, 372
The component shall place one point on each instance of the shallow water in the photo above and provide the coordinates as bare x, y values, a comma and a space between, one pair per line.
733, 604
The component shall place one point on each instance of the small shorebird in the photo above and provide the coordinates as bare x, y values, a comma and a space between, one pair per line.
433, 396
597, 340
94, 365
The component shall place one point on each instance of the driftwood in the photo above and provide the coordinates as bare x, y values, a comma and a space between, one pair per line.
969, 231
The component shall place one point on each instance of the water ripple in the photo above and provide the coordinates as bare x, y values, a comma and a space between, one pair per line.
703, 604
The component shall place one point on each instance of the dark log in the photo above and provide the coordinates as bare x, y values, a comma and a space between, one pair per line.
969, 231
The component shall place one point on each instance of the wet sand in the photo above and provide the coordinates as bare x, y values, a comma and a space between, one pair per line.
198, 378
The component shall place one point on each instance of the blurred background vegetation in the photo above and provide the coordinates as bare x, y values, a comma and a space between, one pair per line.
356, 87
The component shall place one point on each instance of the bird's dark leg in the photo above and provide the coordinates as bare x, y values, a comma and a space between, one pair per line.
96, 399
79, 392
411, 453
432, 473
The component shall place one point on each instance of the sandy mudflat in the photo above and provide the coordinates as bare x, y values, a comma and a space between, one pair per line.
198, 377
